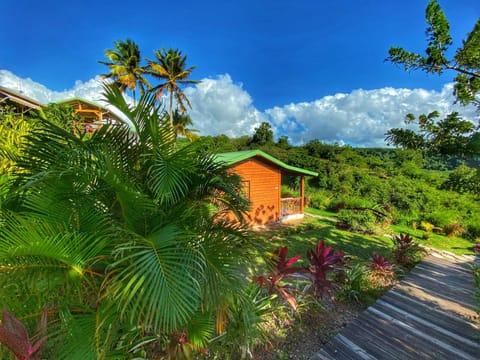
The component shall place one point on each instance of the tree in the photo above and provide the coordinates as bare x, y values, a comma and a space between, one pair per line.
463, 179
465, 62
450, 136
263, 134
116, 236
125, 67
170, 66
283, 143
181, 121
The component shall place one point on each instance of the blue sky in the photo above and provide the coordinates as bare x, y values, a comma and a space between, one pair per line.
279, 52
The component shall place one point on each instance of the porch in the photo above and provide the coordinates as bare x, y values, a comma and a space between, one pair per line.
292, 204
291, 208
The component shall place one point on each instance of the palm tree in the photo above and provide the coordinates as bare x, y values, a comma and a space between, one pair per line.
181, 121
170, 66
125, 68
115, 235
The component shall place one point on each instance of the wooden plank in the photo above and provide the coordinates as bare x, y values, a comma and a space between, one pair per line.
464, 299
379, 338
429, 315
430, 310
458, 344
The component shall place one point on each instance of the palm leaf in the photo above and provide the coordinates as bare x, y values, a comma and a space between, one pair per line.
154, 279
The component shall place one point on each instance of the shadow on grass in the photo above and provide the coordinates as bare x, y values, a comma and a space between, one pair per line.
357, 246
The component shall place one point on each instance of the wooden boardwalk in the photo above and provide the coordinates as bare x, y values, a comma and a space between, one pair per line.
428, 315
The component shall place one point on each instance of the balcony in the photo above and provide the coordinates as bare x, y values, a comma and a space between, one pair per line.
291, 208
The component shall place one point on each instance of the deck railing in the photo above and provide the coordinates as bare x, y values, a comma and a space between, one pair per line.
290, 206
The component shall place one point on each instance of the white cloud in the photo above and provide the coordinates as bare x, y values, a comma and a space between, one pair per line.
90, 90
362, 117
220, 106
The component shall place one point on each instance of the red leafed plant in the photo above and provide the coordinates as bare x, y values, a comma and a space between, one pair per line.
282, 267
381, 267
323, 260
476, 248
406, 251
14, 336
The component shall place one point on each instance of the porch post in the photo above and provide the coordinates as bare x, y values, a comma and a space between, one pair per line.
302, 193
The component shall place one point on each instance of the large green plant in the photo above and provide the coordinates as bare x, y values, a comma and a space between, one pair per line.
114, 234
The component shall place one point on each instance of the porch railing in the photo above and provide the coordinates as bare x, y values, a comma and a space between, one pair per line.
290, 206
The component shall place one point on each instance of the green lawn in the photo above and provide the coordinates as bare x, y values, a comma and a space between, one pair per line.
455, 245
303, 237
359, 247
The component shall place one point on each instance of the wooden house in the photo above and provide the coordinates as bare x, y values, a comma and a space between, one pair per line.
21, 103
93, 115
262, 181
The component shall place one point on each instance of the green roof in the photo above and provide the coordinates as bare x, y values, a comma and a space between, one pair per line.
82, 100
231, 158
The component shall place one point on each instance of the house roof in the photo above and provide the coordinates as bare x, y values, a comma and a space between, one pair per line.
18, 98
77, 99
231, 158
92, 104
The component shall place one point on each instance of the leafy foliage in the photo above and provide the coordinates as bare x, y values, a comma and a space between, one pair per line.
115, 234
357, 220
170, 67
14, 336
323, 261
406, 251
381, 267
263, 135
125, 67
353, 287
281, 268
466, 62
450, 136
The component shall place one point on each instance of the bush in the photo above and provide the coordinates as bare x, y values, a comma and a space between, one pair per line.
442, 218
349, 202
406, 252
317, 200
289, 192
358, 220
473, 230
454, 229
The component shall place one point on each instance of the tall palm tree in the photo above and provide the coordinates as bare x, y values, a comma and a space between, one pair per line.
170, 66
116, 236
181, 121
125, 67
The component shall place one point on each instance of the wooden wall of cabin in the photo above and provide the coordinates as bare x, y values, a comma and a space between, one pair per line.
262, 184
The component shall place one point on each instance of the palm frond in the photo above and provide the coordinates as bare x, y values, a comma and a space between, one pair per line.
154, 279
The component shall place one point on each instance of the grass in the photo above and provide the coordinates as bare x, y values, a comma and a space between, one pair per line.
300, 238
359, 247
456, 245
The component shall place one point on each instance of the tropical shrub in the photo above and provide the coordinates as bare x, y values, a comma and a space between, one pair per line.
352, 288
454, 229
406, 251
381, 268
323, 261
246, 326
358, 220
14, 335
115, 235
280, 269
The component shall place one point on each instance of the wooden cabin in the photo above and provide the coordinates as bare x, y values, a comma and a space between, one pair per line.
21, 103
262, 179
93, 115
